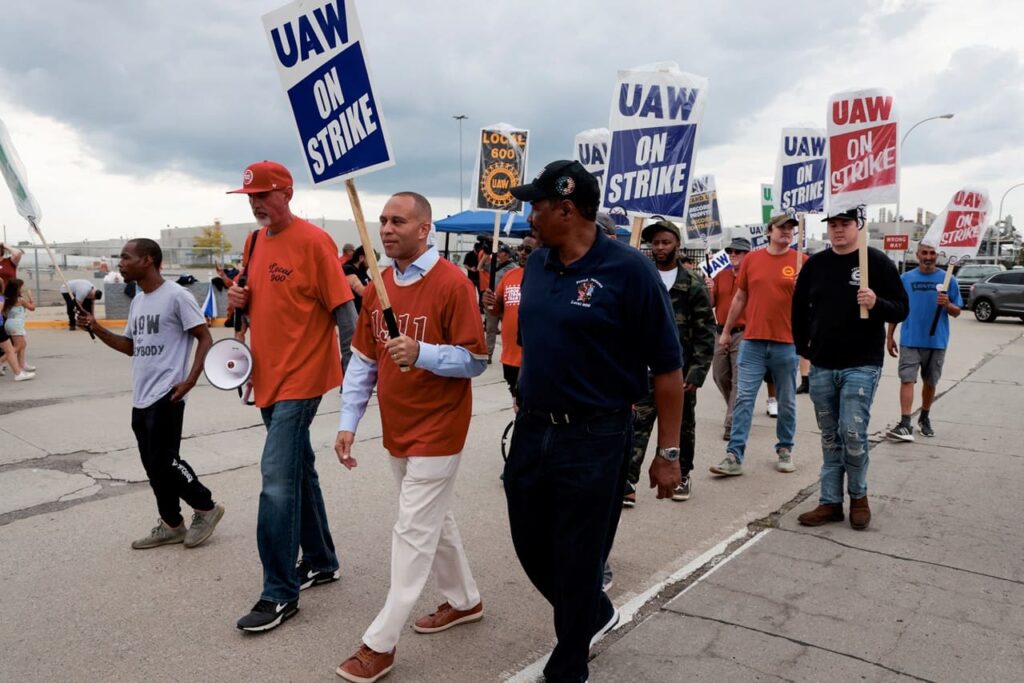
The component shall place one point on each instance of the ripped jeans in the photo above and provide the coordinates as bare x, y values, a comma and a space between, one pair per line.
842, 405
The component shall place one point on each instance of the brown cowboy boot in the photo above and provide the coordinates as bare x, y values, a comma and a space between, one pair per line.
860, 513
823, 514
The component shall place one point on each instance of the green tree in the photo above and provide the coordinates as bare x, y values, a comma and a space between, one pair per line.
212, 238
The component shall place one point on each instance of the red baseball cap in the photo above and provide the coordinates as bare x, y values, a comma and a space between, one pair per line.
264, 176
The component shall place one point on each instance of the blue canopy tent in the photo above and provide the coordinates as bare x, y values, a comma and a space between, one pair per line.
482, 223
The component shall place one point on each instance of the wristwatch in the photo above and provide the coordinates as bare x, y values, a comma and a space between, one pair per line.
670, 454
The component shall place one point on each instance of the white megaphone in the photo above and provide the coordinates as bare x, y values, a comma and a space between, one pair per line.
228, 365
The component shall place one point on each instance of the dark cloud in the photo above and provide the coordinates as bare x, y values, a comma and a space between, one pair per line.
191, 86
983, 86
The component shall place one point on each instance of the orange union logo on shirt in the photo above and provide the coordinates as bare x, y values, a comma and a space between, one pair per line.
788, 271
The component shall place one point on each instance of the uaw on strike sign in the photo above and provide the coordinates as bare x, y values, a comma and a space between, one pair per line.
500, 166
958, 230
318, 50
654, 118
863, 149
800, 171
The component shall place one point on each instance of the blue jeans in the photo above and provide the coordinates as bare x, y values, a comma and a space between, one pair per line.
842, 404
291, 510
563, 484
757, 357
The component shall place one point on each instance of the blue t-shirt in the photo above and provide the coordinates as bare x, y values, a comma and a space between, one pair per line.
922, 294
590, 330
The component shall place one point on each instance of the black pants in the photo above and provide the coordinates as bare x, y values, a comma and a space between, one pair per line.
69, 301
158, 431
563, 484
643, 425
511, 373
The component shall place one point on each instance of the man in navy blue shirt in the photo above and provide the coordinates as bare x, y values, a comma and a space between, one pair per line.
593, 317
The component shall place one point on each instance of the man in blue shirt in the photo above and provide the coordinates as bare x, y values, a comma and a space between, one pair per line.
919, 349
593, 317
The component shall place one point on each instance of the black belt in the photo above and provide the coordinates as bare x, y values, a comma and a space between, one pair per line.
571, 417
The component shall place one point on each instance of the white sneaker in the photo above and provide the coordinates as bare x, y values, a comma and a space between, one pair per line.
3, 369
30, 368
24, 376
773, 408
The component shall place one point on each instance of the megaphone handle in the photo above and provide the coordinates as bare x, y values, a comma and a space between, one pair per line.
393, 332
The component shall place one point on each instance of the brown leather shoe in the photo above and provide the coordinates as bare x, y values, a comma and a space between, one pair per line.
823, 514
366, 665
447, 616
860, 513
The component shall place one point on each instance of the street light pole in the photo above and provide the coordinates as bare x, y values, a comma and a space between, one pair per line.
460, 118
999, 230
899, 218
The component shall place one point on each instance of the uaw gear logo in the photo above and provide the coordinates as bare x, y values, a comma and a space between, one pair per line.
247, 177
788, 272
565, 186
497, 182
855, 276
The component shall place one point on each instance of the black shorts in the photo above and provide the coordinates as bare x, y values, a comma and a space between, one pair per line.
6, 337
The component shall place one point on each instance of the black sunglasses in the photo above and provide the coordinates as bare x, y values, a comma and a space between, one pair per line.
730, 252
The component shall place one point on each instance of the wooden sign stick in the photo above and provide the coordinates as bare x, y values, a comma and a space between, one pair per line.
863, 237
634, 237
494, 250
378, 282
799, 242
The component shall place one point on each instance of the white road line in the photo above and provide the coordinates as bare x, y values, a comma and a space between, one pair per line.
534, 671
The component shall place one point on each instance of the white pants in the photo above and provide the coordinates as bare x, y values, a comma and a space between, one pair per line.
425, 537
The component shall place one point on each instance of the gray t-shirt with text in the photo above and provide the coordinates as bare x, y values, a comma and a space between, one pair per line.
159, 324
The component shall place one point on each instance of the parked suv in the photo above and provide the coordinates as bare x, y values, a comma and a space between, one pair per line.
999, 294
974, 272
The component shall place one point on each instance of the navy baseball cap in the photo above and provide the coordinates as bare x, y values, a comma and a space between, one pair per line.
563, 179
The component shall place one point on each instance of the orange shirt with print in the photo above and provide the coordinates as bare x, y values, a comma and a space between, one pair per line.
724, 291
295, 284
508, 294
769, 280
422, 413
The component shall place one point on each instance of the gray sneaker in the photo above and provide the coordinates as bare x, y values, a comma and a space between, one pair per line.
785, 463
203, 524
682, 491
161, 534
729, 467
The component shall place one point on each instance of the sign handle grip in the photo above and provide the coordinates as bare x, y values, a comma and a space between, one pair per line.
863, 236
634, 237
378, 282
944, 287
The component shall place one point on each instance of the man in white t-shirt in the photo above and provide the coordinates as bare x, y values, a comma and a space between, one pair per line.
81, 291
163, 320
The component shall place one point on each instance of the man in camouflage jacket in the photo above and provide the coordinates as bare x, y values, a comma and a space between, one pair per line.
695, 321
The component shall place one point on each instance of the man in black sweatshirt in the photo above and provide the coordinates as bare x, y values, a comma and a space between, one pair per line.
846, 353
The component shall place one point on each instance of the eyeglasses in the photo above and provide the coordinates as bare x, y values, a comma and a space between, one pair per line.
735, 252
526, 250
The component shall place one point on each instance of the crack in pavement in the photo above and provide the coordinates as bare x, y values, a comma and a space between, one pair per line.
902, 557
804, 643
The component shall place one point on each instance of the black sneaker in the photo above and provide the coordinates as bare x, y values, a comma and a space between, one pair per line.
901, 432
309, 577
924, 425
804, 387
267, 614
608, 620
629, 496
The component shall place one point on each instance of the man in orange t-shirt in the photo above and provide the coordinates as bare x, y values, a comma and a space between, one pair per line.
296, 295
504, 304
424, 415
764, 293
722, 289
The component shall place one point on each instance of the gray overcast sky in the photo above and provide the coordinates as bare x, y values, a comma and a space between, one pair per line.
133, 116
